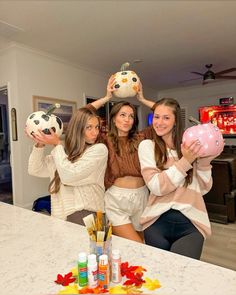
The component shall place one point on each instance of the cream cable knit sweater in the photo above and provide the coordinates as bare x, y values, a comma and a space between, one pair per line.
82, 182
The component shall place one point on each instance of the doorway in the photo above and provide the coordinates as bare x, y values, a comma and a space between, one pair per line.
5, 166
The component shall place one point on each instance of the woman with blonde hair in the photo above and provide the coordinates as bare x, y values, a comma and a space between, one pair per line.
76, 170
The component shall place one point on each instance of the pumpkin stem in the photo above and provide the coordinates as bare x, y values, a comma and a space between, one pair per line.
52, 108
193, 120
124, 66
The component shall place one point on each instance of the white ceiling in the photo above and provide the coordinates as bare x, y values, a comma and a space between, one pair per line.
172, 38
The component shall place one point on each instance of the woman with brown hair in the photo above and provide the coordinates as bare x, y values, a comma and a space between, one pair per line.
126, 194
175, 218
76, 170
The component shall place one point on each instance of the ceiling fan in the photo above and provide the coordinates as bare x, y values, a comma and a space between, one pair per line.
210, 76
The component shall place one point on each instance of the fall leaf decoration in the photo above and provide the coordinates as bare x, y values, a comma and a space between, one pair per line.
132, 285
124, 290
97, 290
71, 289
134, 274
151, 284
64, 280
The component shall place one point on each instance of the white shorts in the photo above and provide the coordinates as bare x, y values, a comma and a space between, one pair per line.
124, 205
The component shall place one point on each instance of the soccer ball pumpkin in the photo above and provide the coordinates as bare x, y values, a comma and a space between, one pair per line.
126, 82
209, 136
44, 121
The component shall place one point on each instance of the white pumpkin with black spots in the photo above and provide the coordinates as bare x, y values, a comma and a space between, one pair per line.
44, 121
126, 82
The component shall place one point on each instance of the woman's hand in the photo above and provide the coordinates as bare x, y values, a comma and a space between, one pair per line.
50, 139
37, 143
140, 96
110, 87
191, 152
142, 99
98, 103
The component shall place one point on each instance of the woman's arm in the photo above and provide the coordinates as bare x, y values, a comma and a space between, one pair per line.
101, 101
161, 182
142, 99
38, 164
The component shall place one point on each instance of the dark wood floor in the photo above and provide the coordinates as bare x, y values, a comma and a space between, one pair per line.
220, 248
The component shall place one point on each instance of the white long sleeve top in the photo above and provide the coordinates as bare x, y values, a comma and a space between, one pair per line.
82, 182
167, 188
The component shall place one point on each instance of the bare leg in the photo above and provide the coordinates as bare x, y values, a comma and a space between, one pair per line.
141, 234
127, 231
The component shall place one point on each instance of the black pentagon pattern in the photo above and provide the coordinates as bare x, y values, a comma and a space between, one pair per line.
31, 117
36, 122
45, 117
59, 122
117, 86
124, 73
134, 79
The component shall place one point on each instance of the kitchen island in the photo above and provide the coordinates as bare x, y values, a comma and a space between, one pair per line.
35, 247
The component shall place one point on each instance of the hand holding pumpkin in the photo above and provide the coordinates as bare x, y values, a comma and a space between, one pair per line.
209, 136
44, 121
191, 151
50, 139
110, 87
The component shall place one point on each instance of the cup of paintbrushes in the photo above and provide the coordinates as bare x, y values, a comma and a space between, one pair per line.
100, 234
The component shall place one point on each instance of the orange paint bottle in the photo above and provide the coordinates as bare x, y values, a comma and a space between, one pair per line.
103, 271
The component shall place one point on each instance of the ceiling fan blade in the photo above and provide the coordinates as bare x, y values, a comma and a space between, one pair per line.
184, 81
226, 77
197, 73
225, 71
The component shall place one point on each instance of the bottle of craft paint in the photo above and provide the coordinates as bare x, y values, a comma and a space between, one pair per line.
82, 269
115, 266
92, 271
103, 271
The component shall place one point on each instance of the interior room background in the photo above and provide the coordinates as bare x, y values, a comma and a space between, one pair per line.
29, 72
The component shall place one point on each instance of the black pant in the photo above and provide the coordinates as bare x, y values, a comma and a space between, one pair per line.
174, 232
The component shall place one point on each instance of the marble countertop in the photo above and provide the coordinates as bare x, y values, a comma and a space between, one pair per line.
34, 248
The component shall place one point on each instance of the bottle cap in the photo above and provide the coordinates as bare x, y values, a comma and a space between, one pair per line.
82, 257
103, 259
92, 259
116, 254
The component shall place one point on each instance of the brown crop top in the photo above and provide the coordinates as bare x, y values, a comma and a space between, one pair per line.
126, 164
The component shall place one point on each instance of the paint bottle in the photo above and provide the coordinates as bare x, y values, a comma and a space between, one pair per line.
103, 271
82, 269
115, 266
92, 271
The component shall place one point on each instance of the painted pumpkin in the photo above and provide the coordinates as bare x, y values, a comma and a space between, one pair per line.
44, 121
126, 82
208, 134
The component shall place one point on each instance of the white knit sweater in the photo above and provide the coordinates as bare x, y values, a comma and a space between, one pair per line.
82, 182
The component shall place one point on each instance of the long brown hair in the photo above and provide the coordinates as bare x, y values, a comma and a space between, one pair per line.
113, 131
177, 133
75, 143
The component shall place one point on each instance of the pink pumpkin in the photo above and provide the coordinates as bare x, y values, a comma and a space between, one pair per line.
210, 137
